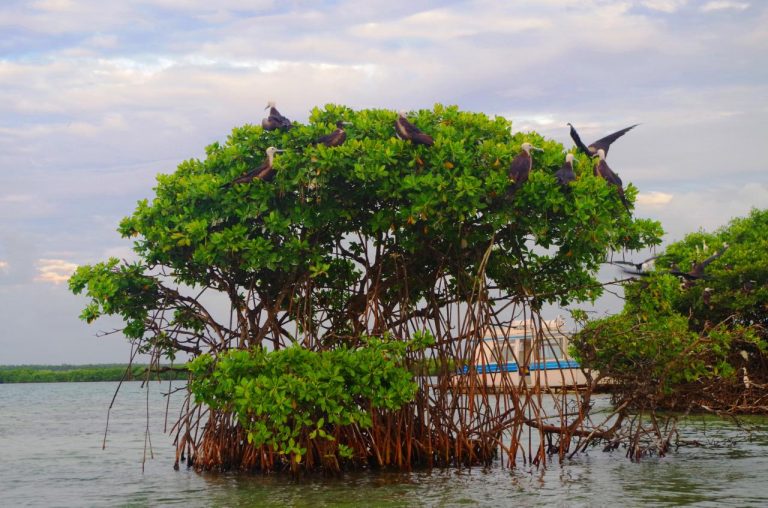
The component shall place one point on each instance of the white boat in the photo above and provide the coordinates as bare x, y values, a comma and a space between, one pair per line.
520, 356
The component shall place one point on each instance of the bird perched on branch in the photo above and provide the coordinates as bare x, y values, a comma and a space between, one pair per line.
600, 144
275, 120
406, 130
603, 170
335, 138
265, 172
520, 167
565, 174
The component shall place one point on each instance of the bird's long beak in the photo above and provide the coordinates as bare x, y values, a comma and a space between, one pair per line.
347, 123
537, 149
279, 151
267, 106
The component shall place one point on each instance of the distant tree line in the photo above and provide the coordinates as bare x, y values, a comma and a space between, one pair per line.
84, 373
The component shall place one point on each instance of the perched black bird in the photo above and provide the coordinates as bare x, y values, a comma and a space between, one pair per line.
565, 174
520, 167
643, 268
600, 144
264, 172
603, 170
335, 138
406, 130
697, 269
275, 120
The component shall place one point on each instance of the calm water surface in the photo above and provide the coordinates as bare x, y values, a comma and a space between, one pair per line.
50, 455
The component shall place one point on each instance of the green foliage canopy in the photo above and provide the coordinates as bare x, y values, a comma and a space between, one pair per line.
672, 332
650, 347
737, 282
377, 211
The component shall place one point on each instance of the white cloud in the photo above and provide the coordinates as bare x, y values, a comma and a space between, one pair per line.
720, 5
53, 5
654, 198
668, 6
206, 5
56, 17
708, 209
17, 198
103, 41
56, 271
446, 24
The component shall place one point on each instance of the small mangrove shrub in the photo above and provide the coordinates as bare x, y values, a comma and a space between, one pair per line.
288, 398
651, 350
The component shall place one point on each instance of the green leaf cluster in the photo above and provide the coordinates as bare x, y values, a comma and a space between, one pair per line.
673, 331
117, 288
284, 399
736, 283
649, 345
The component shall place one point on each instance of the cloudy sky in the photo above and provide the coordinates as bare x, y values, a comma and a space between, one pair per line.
98, 97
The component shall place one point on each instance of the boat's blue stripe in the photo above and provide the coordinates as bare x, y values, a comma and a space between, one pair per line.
512, 367
518, 337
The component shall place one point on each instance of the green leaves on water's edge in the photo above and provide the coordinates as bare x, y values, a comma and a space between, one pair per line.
672, 332
287, 398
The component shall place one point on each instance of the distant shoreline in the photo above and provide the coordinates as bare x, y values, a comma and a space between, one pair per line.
85, 373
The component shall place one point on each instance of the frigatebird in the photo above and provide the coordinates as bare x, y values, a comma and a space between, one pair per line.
275, 120
603, 170
602, 143
697, 269
406, 130
520, 167
335, 138
265, 172
565, 174
643, 268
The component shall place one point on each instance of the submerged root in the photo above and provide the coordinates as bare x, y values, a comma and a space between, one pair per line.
395, 441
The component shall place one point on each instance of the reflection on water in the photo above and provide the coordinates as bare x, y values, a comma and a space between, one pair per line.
50, 455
